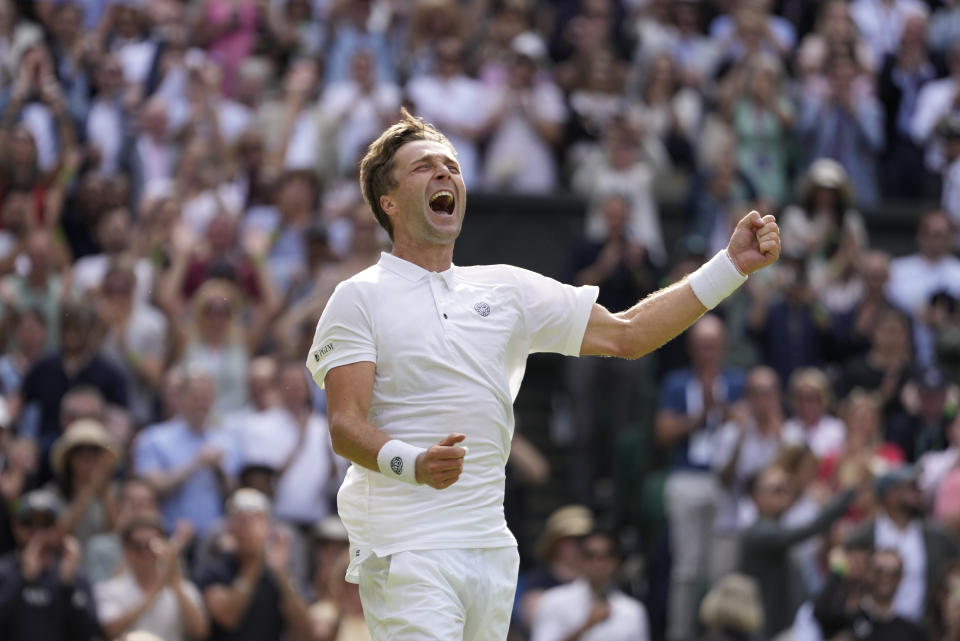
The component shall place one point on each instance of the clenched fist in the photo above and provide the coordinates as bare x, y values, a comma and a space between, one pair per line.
441, 465
755, 242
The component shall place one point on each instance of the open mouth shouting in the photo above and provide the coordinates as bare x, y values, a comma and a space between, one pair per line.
442, 202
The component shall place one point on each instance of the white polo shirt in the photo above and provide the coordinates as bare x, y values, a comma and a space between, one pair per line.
450, 351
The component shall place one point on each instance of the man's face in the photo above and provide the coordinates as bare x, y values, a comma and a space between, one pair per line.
36, 525
763, 394
885, 571
935, 237
599, 561
773, 493
428, 204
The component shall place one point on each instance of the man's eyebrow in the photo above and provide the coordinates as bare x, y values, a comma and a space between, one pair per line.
430, 156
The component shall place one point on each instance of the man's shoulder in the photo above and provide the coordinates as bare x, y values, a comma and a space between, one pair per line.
159, 432
564, 595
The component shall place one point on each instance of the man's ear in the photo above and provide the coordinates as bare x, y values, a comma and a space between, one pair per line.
387, 205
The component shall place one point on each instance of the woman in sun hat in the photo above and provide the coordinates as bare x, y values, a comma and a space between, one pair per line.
84, 459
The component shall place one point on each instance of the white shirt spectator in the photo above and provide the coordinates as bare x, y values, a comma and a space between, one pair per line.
273, 438
934, 102
518, 159
88, 273
563, 609
825, 438
38, 118
105, 130
441, 342
361, 116
302, 148
200, 210
909, 600
119, 595
914, 278
950, 198
756, 452
934, 467
462, 106
881, 21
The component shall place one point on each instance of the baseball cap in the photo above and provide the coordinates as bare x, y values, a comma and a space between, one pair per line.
903, 475
248, 500
39, 502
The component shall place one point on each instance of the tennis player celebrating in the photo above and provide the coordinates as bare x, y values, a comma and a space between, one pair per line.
422, 360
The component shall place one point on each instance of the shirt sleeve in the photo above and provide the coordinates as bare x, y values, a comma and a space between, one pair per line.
555, 314
344, 334
109, 607
146, 455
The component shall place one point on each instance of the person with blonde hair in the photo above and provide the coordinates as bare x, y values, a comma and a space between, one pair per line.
810, 400
731, 611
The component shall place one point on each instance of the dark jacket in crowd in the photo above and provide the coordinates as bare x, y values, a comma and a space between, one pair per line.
765, 555
45, 609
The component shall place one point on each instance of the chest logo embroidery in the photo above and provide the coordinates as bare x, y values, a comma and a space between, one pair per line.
482, 308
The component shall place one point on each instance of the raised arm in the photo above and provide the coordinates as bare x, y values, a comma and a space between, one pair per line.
656, 319
349, 390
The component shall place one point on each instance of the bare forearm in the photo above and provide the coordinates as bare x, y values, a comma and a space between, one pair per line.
357, 440
294, 609
194, 620
660, 317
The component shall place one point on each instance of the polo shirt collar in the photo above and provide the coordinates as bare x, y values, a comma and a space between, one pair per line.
409, 271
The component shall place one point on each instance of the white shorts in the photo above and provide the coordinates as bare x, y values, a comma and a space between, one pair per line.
440, 595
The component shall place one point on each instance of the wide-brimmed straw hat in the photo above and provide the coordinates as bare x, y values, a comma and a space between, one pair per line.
83, 432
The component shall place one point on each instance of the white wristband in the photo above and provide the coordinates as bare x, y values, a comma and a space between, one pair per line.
716, 279
398, 460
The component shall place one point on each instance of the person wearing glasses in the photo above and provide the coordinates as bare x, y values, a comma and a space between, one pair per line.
43, 595
150, 593
765, 549
591, 607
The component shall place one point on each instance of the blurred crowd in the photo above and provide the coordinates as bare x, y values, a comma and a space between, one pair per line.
179, 197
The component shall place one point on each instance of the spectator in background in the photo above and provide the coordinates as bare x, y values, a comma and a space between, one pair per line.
766, 547
762, 120
296, 194
78, 362
945, 605
352, 30
810, 400
944, 26
750, 28
591, 607
25, 346
103, 554
559, 555
136, 337
359, 107
924, 547
295, 441
40, 283
936, 101
229, 31
904, 73
864, 447
853, 330
845, 122
823, 218
835, 30
875, 617
627, 165
621, 267
83, 210
745, 445
887, 367
43, 594
731, 610
291, 123
330, 547
462, 114
882, 21
109, 117
216, 341
527, 122
792, 329
666, 108
694, 403
916, 277
339, 615
114, 233
84, 461
719, 196
151, 594
923, 426
248, 592
934, 467
184, 458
